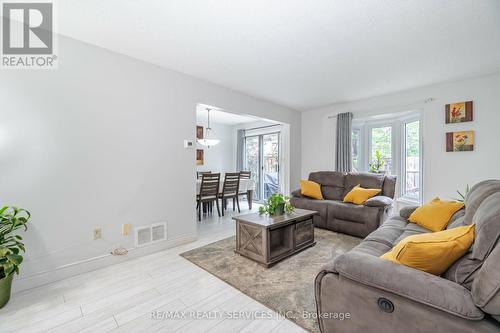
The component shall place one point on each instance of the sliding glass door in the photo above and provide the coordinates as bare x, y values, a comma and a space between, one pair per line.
252, 161
262, 156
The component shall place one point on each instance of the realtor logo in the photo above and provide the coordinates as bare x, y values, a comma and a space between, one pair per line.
27, 35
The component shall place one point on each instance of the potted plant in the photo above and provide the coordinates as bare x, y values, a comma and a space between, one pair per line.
277, 204
377, 163
11, 219
462, 195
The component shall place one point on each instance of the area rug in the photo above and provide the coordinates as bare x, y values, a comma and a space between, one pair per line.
287, 287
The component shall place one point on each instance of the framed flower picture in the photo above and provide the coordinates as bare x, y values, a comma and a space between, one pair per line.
199, 157
199, 132
458, 112
460, 141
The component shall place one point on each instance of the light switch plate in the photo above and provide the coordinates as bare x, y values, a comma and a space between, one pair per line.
188, 144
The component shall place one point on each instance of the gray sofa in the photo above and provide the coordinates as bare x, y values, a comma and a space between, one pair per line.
382, 296
335, 215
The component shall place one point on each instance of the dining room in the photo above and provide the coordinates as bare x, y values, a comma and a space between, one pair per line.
241, 160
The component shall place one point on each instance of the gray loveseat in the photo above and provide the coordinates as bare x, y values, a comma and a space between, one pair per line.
382, 296
335, 215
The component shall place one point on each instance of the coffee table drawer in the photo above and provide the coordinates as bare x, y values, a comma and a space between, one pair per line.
304, 232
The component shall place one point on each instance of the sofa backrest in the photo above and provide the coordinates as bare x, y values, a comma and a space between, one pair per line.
335, 185
486, 285
332, 183
479, 270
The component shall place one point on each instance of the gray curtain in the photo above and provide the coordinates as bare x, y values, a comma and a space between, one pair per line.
240, 143
343, 161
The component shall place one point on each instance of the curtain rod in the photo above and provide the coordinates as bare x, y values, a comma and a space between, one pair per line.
261, 127
425, 101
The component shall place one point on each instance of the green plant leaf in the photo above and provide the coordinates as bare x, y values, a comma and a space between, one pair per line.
15, 259
4, 251
8, 268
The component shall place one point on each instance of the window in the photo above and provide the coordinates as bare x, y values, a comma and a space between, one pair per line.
391, 146
411, 166
356, 136
381, 149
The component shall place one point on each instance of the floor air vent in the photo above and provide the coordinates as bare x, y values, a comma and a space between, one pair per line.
150, 234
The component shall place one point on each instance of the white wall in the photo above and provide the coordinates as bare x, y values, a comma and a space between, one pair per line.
444, 172
99, 142
220, 157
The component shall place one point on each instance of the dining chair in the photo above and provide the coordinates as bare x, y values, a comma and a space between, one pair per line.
209, 191
230, 190
244, 175
199, 174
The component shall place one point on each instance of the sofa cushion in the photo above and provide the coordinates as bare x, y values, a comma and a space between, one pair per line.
351, 212
477, 194
378, 201
410, 230
366, 180
311, 189
396, 221
406, 211
487, 221
486, 285
463, 271
389, 186
372, 248
436, 214
358, 195
457, 220
432, 252
332, 183
386, 234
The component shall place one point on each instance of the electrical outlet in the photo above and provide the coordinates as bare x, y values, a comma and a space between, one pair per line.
97, 233
126, 229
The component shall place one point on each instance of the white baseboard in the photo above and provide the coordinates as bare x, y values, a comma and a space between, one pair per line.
88, 265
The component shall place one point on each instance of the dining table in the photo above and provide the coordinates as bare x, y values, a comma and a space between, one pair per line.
247, 187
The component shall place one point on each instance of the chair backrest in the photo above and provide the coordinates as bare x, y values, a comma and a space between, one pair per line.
199, 174
245, 174
210, 185
231, 184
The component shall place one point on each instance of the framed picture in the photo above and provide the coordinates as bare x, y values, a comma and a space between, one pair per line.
199, 156
460, 141
458, 112
199, 132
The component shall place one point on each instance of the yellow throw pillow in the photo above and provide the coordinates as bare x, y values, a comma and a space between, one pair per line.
432, 252
311, 189
436, 214
359, 195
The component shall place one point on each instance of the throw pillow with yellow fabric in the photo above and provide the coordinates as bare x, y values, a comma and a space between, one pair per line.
432, 252
436, 214
311, 189
359, 195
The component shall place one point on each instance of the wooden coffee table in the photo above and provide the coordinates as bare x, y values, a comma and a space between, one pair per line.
268, 240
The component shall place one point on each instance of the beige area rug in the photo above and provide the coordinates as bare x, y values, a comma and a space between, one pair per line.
287, 286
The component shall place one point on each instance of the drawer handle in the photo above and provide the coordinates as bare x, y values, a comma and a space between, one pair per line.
385, 305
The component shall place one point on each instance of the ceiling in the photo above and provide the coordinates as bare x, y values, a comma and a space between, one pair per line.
301, 54
221, 117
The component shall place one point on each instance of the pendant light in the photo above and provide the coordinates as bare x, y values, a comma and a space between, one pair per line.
208, 139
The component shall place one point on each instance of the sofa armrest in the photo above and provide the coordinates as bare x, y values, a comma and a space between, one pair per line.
405, 212
407, 282
297, 194
379, 201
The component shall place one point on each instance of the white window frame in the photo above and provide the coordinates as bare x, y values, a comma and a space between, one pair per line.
404, 121
361, 154
398, 147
